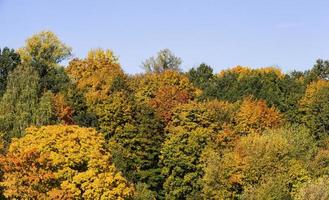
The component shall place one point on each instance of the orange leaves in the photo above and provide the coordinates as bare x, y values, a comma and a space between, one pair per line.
63, 111
25, 172
256, 116
67, 162
166, 98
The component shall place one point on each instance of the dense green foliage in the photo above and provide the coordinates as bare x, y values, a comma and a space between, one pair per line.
90, 131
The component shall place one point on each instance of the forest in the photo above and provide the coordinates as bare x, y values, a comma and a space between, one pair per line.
89, 130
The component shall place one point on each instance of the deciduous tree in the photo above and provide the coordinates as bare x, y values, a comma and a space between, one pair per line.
62, 162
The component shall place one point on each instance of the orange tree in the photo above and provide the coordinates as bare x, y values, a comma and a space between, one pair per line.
61, 162
256, 116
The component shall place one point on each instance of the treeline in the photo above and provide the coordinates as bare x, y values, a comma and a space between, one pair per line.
91, 131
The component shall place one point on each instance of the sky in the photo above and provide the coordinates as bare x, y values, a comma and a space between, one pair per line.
290, 34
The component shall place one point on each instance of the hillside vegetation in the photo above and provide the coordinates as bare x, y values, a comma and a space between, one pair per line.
89, 130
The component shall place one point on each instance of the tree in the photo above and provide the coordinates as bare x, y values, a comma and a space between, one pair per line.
168, 97
269, 84
202, 76
135, 134
192, 127
271, 165
44, 51
165, 60
20, 101
95, 74
146, 86
256, 116
182, 167
62, 162
314, 108
319, 71
9, 60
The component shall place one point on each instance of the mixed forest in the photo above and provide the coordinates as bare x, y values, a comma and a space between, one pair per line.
89, 130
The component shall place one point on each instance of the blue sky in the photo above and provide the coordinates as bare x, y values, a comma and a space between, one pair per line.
290, 34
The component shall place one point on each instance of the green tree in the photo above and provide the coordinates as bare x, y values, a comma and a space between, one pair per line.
135, 134
9, 60
19, 104
44, 51
165, 60
314, 108
192, 127
202, 76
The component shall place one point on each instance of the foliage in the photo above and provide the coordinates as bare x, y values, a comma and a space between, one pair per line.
192, 127
240, 133
314, 190
165, 60
9, 60
61, 162
95, 74
19, 105
136, 134
269, 84
201, 76
314, 107
256, 116
271, 165
44, 49
167, 98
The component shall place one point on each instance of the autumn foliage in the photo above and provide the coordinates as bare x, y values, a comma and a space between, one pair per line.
61, 162
89, 130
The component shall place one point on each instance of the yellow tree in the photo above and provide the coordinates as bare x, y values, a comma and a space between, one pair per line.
95, 74
61, 162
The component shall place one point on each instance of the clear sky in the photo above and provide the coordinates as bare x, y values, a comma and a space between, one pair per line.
290, 34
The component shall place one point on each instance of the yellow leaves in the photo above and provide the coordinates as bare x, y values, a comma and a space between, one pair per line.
100, 55
147, 85
237, 70
246, 71
256, 116
312, 92
95, 74
73, 162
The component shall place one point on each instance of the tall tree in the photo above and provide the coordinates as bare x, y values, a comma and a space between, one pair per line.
9, 60
192, 127
44, 51
95, 74
314, 108
135, 134
165, 60
202, 76
19, 104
